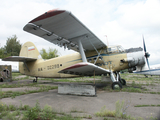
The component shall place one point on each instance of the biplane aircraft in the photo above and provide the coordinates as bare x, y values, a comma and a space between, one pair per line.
92, 57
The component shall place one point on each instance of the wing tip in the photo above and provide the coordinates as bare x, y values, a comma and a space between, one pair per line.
48, 14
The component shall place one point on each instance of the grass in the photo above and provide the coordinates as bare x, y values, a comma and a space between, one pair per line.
138, 84
135, 83
118, 113
147, 105
13, 94
26, 112
15, 74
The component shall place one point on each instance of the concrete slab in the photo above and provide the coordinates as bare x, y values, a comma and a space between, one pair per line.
77, 89
90, 105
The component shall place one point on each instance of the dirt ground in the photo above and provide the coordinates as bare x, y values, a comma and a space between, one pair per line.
89, 105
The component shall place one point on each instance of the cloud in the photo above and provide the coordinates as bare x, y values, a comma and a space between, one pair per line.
122, 21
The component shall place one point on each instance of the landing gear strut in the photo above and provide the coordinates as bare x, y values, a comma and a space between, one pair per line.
117, 81
35, 80
122, 81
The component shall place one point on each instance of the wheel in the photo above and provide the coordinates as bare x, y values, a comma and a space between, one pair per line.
123, 82
1, 80
34, 81
116, 86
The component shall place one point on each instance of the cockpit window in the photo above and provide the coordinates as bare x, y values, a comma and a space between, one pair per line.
114, 49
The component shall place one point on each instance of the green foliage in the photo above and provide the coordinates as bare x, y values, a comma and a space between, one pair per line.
121, 108
12, 46
52, 53
105, 113
32, 113
3, 53
16, 74
147, 105
47, 113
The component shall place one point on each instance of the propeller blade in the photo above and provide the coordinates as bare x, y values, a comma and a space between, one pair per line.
144, 46
148, 63
146, 53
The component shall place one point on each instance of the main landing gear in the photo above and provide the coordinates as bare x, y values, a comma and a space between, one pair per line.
35, 80
117, 81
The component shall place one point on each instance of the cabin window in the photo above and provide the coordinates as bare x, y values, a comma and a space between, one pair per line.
116, 49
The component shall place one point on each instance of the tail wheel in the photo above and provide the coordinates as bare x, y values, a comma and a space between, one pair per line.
116, 86
123, 82
1, 80
34, 81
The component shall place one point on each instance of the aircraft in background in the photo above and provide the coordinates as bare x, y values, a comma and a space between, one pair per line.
153, 70
92, 57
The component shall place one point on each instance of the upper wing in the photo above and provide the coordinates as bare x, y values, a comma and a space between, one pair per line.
84, 68
19, 59
62, 28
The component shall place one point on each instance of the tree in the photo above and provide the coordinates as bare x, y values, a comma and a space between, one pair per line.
3, 53
52, 53
13, 46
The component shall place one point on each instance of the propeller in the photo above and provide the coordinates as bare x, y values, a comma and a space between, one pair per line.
146, 53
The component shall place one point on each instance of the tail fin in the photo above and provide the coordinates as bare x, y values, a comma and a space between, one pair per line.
28, 56
29, 50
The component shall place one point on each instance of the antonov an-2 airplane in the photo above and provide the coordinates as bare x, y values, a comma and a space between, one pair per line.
94, 57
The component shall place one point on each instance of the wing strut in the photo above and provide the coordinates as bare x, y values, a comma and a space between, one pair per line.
26, 66
81, 50
99, 55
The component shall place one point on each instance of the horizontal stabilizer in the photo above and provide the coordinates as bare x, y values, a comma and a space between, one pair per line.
19, 59
84, 68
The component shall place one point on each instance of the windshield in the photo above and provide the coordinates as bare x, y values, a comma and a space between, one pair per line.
115, 49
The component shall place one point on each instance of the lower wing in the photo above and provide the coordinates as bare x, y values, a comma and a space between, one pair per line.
84, 68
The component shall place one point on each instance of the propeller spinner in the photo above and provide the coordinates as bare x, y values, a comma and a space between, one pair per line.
146, 53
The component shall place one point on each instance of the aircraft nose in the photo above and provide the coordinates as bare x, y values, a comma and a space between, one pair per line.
147, 55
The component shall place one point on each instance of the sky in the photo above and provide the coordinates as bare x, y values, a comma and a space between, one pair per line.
123, 21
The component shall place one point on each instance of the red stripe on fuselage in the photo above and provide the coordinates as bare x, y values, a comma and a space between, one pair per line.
47, 15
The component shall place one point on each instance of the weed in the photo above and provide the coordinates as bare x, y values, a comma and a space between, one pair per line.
118, 113
87, 116
105, 113
32, 113
47, 113
12, 107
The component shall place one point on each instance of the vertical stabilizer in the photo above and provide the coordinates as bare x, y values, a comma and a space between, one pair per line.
29, 50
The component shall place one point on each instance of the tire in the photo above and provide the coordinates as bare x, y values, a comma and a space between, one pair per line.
34, 81
123, 82
116, 86
1, 80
